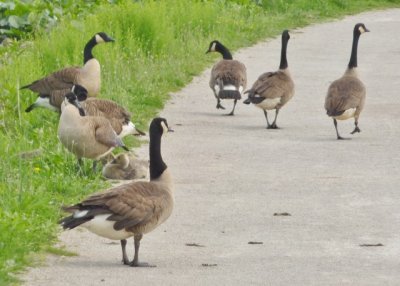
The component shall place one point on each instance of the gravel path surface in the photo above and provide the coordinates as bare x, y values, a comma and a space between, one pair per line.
232, 175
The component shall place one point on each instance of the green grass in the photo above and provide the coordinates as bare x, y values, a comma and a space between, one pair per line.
159, 47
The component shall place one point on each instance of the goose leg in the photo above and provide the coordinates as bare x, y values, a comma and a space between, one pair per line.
273, 125
233, 109
266, 117
94, 167
219, 106
80, 165
356, 129
135, 262
125, 259
337, 132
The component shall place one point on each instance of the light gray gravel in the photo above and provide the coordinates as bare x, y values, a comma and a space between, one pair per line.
232, 175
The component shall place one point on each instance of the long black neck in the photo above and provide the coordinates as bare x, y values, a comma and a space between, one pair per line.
284, 64
87, 53
226, 54
353, 57
157, 165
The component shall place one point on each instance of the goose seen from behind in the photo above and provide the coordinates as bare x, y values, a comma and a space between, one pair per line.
52, 88
272, 90
132, 209
228, 76
85, 136
346, 96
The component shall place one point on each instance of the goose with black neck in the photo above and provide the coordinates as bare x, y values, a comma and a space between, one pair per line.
52, 88
228, 76
346, 96
132, 209
272, 90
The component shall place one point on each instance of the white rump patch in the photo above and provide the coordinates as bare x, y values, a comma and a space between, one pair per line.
349, 113
229, 87
105, 228
79, 214
269, 103
241, 89
44, 102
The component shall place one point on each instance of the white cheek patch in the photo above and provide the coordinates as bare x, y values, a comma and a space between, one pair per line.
99, 39
361, 29
164, 127
213, 47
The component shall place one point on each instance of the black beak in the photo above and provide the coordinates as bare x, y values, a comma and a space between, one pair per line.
170, 130
109, 39
366, 30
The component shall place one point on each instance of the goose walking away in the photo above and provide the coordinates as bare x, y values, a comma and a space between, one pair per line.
126, 166
228, 76
346, 96
85, 136
272, 90
132, 209
52, 88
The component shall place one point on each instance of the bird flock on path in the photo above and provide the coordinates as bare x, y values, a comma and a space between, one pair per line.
91, 128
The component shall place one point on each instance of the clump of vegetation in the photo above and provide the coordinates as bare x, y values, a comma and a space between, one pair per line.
159, 47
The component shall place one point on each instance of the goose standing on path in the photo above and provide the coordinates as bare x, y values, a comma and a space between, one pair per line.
228, 76
85, 136
272, 90
54, 87
346, 96
131, 209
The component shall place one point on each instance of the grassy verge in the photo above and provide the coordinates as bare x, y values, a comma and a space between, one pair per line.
159, 47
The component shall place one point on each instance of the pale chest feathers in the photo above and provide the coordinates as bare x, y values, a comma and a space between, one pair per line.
90, 77
269, 103
349, 113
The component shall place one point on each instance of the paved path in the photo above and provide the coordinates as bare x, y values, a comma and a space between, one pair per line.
232, 175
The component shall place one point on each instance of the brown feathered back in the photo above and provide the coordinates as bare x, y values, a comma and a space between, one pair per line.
116, 114
230, 72
345, 93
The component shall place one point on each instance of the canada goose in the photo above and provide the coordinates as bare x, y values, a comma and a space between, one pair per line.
86, 136
118, 116
346, 96
228, 76
126, 166
52, 88
272, 90
131, 209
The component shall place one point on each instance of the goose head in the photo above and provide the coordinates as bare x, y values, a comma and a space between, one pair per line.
78, 93
285, 35
214, 46
102, 37
160, 126
360, 28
